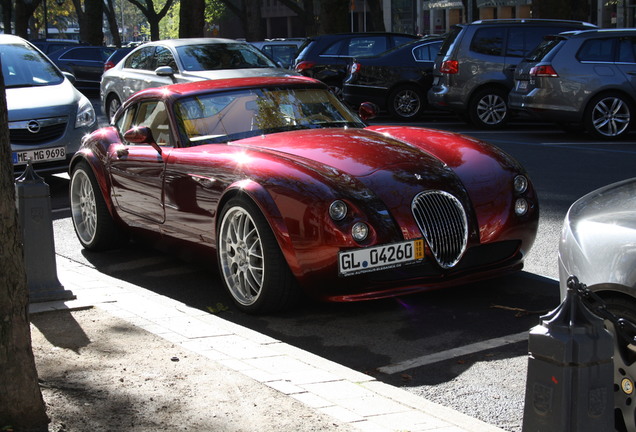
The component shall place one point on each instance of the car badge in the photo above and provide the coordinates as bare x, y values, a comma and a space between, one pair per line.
33, 126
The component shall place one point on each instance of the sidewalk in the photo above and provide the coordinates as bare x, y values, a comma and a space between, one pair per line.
352, 399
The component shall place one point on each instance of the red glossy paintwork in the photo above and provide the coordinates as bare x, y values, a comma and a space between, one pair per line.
294, 176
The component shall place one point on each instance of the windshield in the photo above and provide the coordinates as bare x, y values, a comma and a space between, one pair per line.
23, 66
222, 56
222, 117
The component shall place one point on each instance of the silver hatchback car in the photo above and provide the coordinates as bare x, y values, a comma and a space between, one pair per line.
48, 116
584, 78
155, 64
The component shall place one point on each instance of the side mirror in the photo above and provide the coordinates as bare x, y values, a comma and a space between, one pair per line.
164, 71
69, 76
142, 135
368, 111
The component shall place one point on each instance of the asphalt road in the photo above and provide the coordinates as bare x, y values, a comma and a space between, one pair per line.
464, 347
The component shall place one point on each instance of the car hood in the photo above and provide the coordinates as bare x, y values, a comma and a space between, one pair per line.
356, 152
27, 103
598, 244
235, 73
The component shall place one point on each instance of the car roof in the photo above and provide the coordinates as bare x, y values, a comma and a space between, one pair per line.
600, 32
228, 84
192, 41
58, 53
9, 38
529, 21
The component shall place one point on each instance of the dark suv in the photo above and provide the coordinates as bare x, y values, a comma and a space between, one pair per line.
583, 78
326, 57
474, 69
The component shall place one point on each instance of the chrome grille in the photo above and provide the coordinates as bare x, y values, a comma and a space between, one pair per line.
37, 131
443, 223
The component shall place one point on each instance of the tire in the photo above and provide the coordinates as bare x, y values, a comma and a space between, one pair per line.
624, 365
406, 103
92, 221
251, 264
488, 108
112, 105
609, 116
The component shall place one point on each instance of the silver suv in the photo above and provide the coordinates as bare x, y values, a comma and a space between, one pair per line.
586, 78
474, 69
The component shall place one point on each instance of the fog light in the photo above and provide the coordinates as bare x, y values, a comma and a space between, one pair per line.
338, 210
520, 184
521, 207
359, 231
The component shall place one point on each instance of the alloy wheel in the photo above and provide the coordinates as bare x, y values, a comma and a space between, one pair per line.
241, 256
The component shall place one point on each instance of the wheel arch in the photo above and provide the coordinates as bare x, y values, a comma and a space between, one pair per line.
101, 176
609, 289
261, 197
607, 91
485, 85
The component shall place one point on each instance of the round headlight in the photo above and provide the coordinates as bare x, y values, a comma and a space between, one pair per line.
338, 210
521, 207
359, 231
520, 184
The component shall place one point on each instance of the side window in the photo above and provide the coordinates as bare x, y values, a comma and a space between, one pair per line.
627, 50
333, 50
488, 41
81, 54
141, 59
125, 121
369, 45
163, 57
426, 52
597, 50
523, 40
154, 115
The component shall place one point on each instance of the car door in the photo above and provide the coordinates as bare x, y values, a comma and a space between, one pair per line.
137, 170
626, 62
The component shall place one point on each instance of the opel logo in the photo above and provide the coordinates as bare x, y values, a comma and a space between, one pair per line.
33, 126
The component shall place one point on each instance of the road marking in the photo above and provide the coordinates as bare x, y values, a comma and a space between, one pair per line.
455, 352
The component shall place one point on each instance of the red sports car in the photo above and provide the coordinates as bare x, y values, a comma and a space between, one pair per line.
295, 194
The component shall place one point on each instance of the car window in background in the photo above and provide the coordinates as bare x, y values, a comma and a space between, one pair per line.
522, 40
85, 53
163, 57
489, 41
366, 46
450, 39
627, 50
597, 50
426, 52
544, 48
24, 67
142, 59
222, 56
282, 53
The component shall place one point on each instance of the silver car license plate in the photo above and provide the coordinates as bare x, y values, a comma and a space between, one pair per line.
363, 260
39, 155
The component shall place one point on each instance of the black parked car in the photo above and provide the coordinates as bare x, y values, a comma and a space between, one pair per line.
85, 62
326, 57
396, 80
115, 57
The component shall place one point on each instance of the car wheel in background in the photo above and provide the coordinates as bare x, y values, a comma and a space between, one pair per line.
624, 364
609, 116
253, 268
405, 103
488, 108
93, 224
112, 105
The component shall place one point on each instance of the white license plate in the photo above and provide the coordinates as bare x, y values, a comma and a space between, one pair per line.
522, 85
356, 261
39, 155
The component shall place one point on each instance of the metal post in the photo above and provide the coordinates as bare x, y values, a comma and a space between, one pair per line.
570, 372
34, 211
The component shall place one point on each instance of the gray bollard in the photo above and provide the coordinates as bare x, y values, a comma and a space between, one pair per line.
570, 372
34, 211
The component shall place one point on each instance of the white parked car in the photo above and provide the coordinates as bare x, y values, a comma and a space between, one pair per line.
160, 63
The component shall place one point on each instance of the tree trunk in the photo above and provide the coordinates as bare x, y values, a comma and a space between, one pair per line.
334, 16
192, 18
94, 14
7, 13
152, 16
21, 403
109, 10
24, 12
